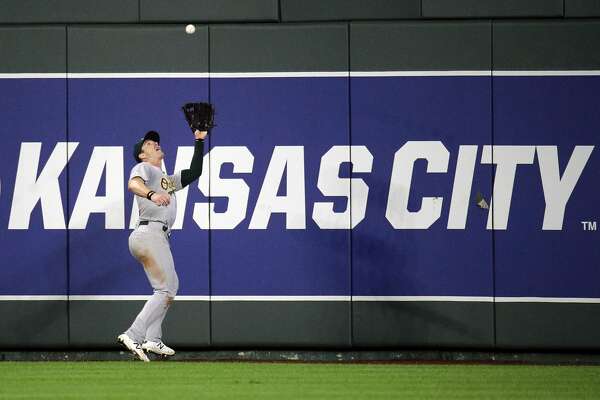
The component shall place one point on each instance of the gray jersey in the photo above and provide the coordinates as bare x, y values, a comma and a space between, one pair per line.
155, 179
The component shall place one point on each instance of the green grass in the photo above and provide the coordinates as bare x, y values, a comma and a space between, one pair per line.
245, 380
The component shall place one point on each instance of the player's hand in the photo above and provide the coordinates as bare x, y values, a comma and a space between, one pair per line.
200, 134
161, 199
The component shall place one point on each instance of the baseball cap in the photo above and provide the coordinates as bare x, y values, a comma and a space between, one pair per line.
137, 148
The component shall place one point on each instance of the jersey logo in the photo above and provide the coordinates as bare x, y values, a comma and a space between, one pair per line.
167, 185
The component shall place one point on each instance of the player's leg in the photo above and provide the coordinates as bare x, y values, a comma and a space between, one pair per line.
147, 248
153, 310
154, 342
154, 332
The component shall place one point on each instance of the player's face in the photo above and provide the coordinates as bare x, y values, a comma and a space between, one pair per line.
152, 150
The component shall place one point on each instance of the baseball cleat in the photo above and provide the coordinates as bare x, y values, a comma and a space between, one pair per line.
158, 348
132, 346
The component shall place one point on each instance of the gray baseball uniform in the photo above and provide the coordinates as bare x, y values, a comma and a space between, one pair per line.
149, 244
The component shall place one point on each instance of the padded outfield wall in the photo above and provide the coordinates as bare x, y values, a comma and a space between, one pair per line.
338, 203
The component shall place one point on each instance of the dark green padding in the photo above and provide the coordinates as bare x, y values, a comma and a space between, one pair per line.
278, 47
423, 324
340, 10
33, 324
582, 8
407, 46
546, 45
491, 8
208, 10
96, 324
548, 326
66, 11
281, 323
39, 49
148, 48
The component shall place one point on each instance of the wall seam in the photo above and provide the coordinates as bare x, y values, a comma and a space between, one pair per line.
324, 21
492, 181
279, 10
350, 194
68, 178
210, 319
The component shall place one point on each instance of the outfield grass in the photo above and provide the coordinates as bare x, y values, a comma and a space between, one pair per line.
245, 380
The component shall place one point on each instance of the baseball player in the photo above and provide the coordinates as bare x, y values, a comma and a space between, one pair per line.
149, 242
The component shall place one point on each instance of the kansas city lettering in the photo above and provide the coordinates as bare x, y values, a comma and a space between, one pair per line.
286, 164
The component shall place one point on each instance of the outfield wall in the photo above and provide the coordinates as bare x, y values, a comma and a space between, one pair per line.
337, 207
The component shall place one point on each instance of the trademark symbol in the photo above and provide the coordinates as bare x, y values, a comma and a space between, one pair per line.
589, 225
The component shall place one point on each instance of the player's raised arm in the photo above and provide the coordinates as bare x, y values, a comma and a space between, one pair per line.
191, 174
200, 118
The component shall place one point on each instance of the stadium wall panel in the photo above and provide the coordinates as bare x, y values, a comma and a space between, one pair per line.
307, 324
552, 103
116, 94
95, 322
491, 8
339, 10
546, 45
582, 8
208, 10
423, 324
420, 46
403, 106
343, 188
547, 326
68, 11
34, 261
296, 120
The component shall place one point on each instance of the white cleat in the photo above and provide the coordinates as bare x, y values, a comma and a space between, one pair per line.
132, 346
158, 348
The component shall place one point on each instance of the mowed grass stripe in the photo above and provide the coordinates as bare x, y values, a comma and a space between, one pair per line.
246, 380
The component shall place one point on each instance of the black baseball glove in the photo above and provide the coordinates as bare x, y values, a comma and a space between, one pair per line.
199, 116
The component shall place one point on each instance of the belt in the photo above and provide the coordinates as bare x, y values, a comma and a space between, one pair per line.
146, 222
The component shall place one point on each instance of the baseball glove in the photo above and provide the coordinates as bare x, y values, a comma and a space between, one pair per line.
199, 116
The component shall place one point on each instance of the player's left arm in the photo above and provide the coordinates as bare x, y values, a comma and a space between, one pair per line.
195, 170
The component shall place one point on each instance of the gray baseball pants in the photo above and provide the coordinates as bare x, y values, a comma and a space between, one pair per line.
149, 244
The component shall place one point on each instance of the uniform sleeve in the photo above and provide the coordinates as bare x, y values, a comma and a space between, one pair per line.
191, 174
142, 170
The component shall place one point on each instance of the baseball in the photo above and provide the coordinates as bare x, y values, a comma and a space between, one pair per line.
189, 29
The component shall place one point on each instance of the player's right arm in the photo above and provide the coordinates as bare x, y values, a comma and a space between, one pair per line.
137, 186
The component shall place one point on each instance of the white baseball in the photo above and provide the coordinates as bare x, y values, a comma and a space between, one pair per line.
189, 29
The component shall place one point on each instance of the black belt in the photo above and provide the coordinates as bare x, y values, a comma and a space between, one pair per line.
145, 222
